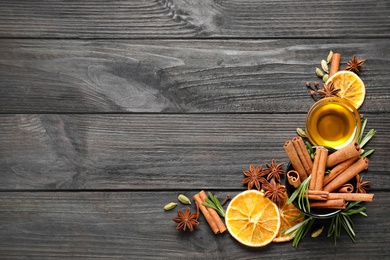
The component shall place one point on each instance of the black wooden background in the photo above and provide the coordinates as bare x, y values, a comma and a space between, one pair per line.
110, 109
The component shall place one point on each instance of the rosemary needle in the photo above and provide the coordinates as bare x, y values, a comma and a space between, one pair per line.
302, 193
344, 220
213, 202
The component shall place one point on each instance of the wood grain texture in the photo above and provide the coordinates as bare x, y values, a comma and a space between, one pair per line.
189, 19
147, 152
133, 225
110, 109
60, 76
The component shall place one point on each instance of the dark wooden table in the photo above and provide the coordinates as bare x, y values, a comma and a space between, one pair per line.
110, 109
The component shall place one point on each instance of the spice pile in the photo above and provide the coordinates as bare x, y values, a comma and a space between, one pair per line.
317, 178
344, 83
333, 182
329, 175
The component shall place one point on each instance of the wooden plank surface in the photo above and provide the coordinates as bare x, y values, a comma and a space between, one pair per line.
61, 76
193, 19
133, 225
110, 109
155, 151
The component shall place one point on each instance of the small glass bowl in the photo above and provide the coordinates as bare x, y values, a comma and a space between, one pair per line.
316, 213
344, 110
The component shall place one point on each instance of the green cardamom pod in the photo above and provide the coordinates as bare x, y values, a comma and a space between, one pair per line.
330, 55
170, 206
301, 132
317, 232
324, 66
319, 73
183, 199
325, 77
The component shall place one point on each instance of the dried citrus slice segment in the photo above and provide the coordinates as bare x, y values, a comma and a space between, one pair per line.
252, 219
351, 87
289, 217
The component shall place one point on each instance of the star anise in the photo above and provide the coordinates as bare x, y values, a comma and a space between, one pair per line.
254, 177
361, 185
328, 90
273, 171
186, 220
274, 191
354, 65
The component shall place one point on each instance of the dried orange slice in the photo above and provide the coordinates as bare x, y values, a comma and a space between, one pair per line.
351, 87
252, 219
289, 217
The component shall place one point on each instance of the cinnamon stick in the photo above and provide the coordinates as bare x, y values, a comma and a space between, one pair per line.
338, 169
318, 172
351, 196
318, 192
321, 168
293, 178
348, 174
294, 159
335, 64
313, 174
206, 214
318, 195
349, 151
329, 204
221, 226
303, 154
346, 188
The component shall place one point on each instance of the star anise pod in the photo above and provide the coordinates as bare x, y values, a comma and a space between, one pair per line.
328, 90
361, 185
273, 171
186, 220
354, 65
274, 191
254, 177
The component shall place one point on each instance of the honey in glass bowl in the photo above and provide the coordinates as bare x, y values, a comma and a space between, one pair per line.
332, 122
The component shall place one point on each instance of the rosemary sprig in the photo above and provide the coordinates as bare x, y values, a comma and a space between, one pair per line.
300, 230
302, 193
365, 154
310, 149
364, 140
344, 220
368, 137
213, 202
364, 123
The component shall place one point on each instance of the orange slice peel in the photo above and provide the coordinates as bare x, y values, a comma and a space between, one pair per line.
252, 219
351, 87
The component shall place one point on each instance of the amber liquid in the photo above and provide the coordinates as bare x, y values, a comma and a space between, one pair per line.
332, 125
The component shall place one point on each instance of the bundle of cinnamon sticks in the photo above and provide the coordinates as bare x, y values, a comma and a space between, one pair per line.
330, 190
211, 216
